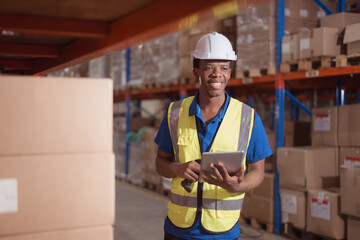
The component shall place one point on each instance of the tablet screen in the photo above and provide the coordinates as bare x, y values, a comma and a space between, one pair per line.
231, 160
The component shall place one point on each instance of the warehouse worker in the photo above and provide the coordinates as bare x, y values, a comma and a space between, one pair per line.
210, 121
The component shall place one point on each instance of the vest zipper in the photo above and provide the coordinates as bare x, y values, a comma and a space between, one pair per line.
199, 197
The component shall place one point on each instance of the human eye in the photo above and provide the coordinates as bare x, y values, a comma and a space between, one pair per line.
209, 68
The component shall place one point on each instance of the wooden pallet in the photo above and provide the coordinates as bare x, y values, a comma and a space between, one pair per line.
307, 64
348, 60
257, 224
255, 72
300, 234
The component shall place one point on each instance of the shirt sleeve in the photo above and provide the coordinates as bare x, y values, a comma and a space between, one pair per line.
259, 147
163, 138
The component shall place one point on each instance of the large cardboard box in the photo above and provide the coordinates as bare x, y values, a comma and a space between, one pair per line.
95, 233
352, 38
53, 192
290, 48
324, 126
304, 44
266, 188
323, 214
259, 208
350, 194
349, 127
55, 115
353, 228
325, 42
340, 20
349, 156
293, 207
305, 167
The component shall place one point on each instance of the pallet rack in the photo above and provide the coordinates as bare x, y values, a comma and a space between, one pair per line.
337, 77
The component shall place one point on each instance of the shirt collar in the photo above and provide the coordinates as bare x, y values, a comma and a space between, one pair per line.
195, 108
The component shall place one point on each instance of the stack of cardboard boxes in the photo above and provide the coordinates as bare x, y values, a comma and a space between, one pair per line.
327, 40
148, 156
349, 142
256, 31
56, 160
312, 174
259, 203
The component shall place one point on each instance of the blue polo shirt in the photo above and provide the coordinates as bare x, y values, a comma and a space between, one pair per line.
258, 149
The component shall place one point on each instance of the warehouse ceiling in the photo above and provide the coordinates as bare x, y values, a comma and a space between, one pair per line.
41, 36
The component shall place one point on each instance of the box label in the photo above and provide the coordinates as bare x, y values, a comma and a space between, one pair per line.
320, 209
351, 161
304, 43
304, 13
8, 195
322, 122
321, 14
287, 12
288, 203
285, 48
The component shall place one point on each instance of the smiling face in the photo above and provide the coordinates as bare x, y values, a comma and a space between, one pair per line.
214, 75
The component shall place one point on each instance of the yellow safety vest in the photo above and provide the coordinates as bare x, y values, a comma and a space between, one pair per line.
220, 209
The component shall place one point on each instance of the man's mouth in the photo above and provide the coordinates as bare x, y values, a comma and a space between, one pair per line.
215, 85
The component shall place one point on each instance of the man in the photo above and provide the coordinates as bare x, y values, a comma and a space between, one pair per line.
210, 121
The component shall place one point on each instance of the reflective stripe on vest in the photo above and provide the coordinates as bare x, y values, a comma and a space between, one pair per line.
174, 122
212, 204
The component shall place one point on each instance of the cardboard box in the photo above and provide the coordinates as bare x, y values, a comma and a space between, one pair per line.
349, 156
290, 48
305, 167
324, 126
350, 194
293, 207
323, 214
95, 233
266, 188
352, 38
340, 20
304, 45
186, 68
262, 209
325, 42
349, 127
53, 192
353, 228
55, 115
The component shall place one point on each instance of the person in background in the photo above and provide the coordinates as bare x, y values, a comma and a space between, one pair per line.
210, 121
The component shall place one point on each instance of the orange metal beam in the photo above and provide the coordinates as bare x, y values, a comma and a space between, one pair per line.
53, 26
156, 19
29, 50
15, 64
330, 72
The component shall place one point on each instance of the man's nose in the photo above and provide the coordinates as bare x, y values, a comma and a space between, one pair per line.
217, 71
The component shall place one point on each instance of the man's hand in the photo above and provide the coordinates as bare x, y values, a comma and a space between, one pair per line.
223, 179
188, 170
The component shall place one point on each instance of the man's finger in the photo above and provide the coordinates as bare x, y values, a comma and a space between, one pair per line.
216, 172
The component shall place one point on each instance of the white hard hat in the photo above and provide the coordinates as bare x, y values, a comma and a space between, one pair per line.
214, 46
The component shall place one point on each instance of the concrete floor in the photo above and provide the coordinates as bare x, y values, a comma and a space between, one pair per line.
140, 215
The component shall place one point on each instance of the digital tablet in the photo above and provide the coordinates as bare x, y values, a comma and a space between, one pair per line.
231, 160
